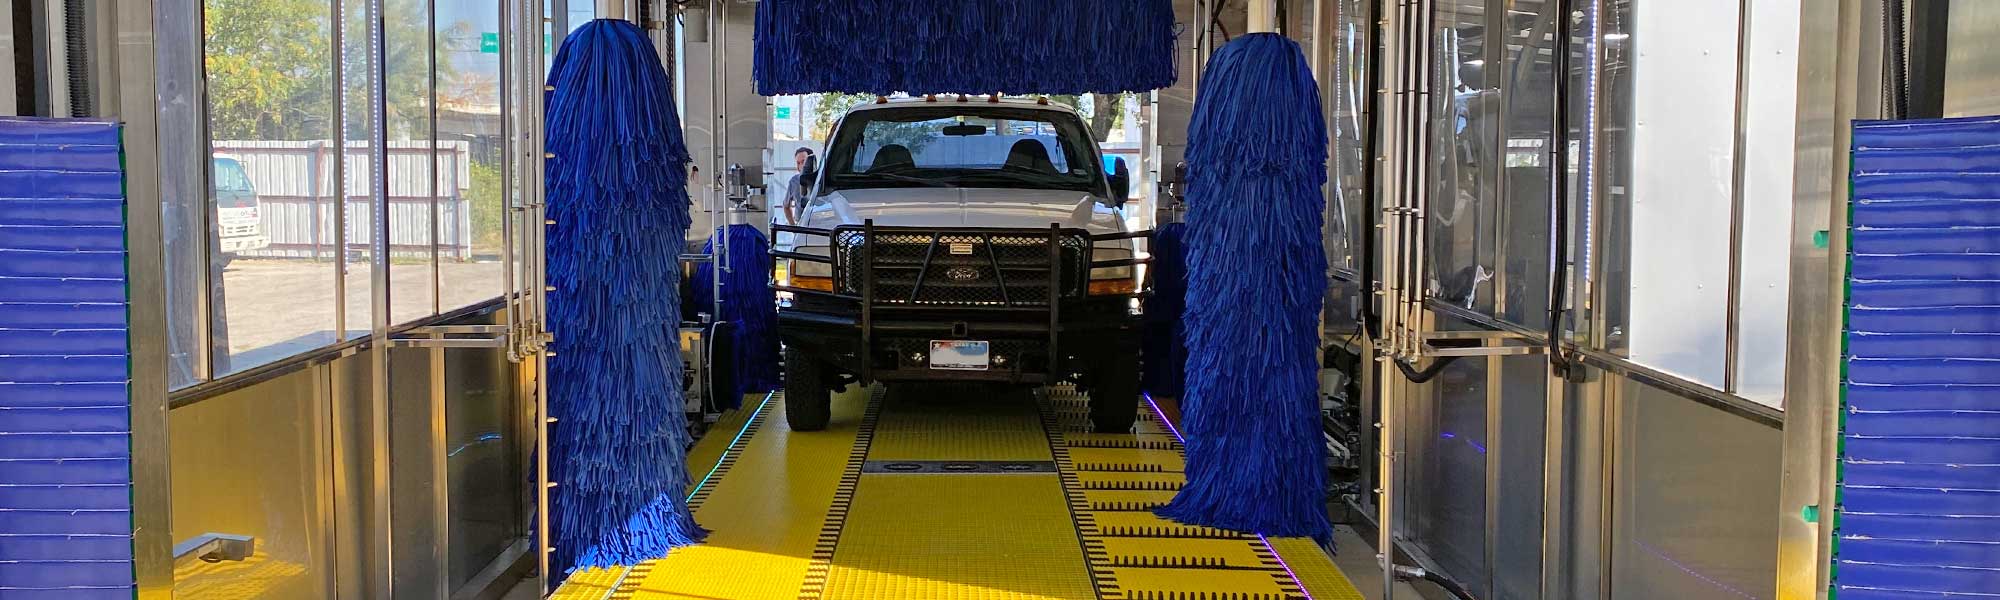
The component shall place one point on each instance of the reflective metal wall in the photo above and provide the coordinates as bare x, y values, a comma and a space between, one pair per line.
1650, 469
287, 460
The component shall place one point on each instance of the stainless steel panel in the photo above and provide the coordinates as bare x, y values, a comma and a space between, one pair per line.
1833, 37
1517, 492
1972, 68
248, 463
483, 443
354, 558
1691, 500
156, 64
1446, 516
413, 477
8, 106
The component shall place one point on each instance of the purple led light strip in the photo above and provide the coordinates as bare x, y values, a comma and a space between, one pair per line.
1260, 537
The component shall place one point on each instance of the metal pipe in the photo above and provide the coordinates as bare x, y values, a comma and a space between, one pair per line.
339, 173
437, 213
1415, 284
381, 496
611, 9
1389, 24
1263, 17
525, 302
1732, 320
511, 81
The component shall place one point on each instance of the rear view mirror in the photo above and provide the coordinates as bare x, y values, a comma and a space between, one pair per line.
1121, 181
964, 130
810, 171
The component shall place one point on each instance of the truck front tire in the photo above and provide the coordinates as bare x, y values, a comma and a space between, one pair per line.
1114, 395
808, 400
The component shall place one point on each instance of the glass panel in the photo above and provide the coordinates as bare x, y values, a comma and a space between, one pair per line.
1769, 127
414, 183
470, 151
245, 463
1527, 80
1464, 204
1517, 532
1683, 151
270, 108
1348, 165
1693, 501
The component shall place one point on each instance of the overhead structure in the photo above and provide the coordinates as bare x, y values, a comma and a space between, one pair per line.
967, 47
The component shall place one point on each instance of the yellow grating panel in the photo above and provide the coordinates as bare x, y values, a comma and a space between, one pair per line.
1316, 569
943, 423
1231, 552
959, 537
257, 576
764, 515
593, 584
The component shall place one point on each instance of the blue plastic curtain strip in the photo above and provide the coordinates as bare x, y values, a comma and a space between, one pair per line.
1919, 513
65, 427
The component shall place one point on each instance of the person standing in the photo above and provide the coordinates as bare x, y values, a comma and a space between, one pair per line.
796, 190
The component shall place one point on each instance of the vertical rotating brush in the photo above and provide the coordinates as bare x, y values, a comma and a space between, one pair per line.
617, 200
1256, 277
1165, 350
750, 307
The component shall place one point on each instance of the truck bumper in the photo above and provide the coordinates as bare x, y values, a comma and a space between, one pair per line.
899, 350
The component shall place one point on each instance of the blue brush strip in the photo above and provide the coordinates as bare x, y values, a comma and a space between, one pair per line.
1165, 350
749, 305
965, 47
617, 193
1256, 271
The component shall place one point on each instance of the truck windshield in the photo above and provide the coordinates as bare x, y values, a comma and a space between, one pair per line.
232, 185
963, 146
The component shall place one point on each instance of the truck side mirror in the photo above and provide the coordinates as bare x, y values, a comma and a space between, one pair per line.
1121, 181
810, 171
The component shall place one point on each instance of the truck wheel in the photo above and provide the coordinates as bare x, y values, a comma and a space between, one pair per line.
808, 401
1114, 395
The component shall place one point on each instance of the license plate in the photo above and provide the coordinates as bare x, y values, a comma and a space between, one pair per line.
960, 355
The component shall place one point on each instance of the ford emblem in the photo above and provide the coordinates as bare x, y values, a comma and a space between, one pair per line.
962, 274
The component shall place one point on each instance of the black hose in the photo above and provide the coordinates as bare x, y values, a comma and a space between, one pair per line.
1895, 66
1559, 191
76, 44
1430, 372
1370, 147
1456, 590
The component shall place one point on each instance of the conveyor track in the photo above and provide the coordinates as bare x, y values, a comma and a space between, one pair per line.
941, 494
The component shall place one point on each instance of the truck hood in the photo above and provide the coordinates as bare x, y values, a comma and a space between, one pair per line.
965, 207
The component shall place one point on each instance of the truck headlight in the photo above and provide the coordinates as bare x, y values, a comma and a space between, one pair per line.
807, 274
1113, 281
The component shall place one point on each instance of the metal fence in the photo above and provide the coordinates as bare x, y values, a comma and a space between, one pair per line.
297, 197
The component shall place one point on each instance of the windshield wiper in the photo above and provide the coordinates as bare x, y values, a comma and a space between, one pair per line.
929, 182
1028, 178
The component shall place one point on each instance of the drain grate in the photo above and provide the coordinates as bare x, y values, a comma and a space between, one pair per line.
957, 467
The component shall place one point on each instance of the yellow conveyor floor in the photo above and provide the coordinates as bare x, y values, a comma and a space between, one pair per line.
942, 494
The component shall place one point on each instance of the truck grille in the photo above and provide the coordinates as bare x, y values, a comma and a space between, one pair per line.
926, 267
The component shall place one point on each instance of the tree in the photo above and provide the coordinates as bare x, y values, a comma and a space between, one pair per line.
270, 65
830, 108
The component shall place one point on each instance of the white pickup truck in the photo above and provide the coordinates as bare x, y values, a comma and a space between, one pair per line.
966, 239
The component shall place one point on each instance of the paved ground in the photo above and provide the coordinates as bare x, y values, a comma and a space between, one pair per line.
280, 307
